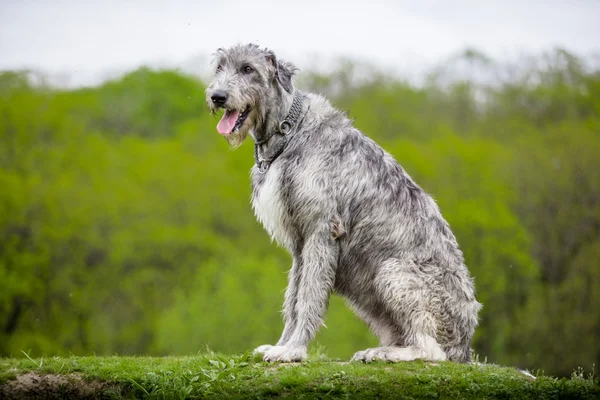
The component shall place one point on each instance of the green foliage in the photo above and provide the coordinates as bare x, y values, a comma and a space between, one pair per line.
125, 223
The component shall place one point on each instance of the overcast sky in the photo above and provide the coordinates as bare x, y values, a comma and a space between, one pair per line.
88, 38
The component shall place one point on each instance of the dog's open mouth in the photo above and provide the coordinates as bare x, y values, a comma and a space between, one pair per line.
232, 120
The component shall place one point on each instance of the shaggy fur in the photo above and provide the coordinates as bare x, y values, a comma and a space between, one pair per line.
353, 220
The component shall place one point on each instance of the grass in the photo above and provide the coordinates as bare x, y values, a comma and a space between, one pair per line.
246, 377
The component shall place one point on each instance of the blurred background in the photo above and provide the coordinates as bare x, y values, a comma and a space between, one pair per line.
125, 220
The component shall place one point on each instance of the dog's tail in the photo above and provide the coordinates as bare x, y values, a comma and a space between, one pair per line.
523, 371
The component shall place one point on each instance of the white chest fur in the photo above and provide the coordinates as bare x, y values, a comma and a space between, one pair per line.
270, 209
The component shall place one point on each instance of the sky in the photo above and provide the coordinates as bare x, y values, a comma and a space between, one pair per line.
90, 40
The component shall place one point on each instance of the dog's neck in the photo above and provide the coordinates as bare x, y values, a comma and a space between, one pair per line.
274, 116
271, 141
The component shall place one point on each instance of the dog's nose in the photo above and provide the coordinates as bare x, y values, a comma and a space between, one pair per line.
219, 97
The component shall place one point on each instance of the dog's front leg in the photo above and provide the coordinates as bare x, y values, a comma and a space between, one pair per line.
291, 298
313, 284
289, 305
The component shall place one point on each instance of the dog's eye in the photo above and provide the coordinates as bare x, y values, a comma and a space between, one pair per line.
219, 68
247, 69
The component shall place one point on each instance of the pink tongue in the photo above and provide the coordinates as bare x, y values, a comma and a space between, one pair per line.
227, 123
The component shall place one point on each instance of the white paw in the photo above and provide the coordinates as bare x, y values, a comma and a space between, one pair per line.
359, 356
391, 354
262, 349
285, 354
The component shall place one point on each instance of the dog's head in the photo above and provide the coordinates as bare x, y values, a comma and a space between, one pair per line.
249, 85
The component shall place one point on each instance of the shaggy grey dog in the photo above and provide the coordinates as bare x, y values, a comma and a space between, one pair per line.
353, 220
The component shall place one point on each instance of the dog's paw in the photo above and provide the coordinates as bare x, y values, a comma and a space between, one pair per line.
390, 354
262, 349
376, 354
285, 354
359, 356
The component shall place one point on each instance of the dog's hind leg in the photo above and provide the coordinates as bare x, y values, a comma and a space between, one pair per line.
380, 323
407, 299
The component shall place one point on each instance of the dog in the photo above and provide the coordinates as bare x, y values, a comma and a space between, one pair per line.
353, 220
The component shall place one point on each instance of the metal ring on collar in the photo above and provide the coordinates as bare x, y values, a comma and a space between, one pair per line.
285, 127
263, 166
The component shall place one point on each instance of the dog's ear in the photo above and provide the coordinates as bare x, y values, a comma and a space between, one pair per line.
217, 57
283, 71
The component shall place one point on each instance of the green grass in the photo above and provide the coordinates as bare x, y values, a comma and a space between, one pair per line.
216, 376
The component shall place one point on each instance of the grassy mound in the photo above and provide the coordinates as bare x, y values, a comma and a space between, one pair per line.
245, 377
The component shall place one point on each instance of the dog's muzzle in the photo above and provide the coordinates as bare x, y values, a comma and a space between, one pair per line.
219, 97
